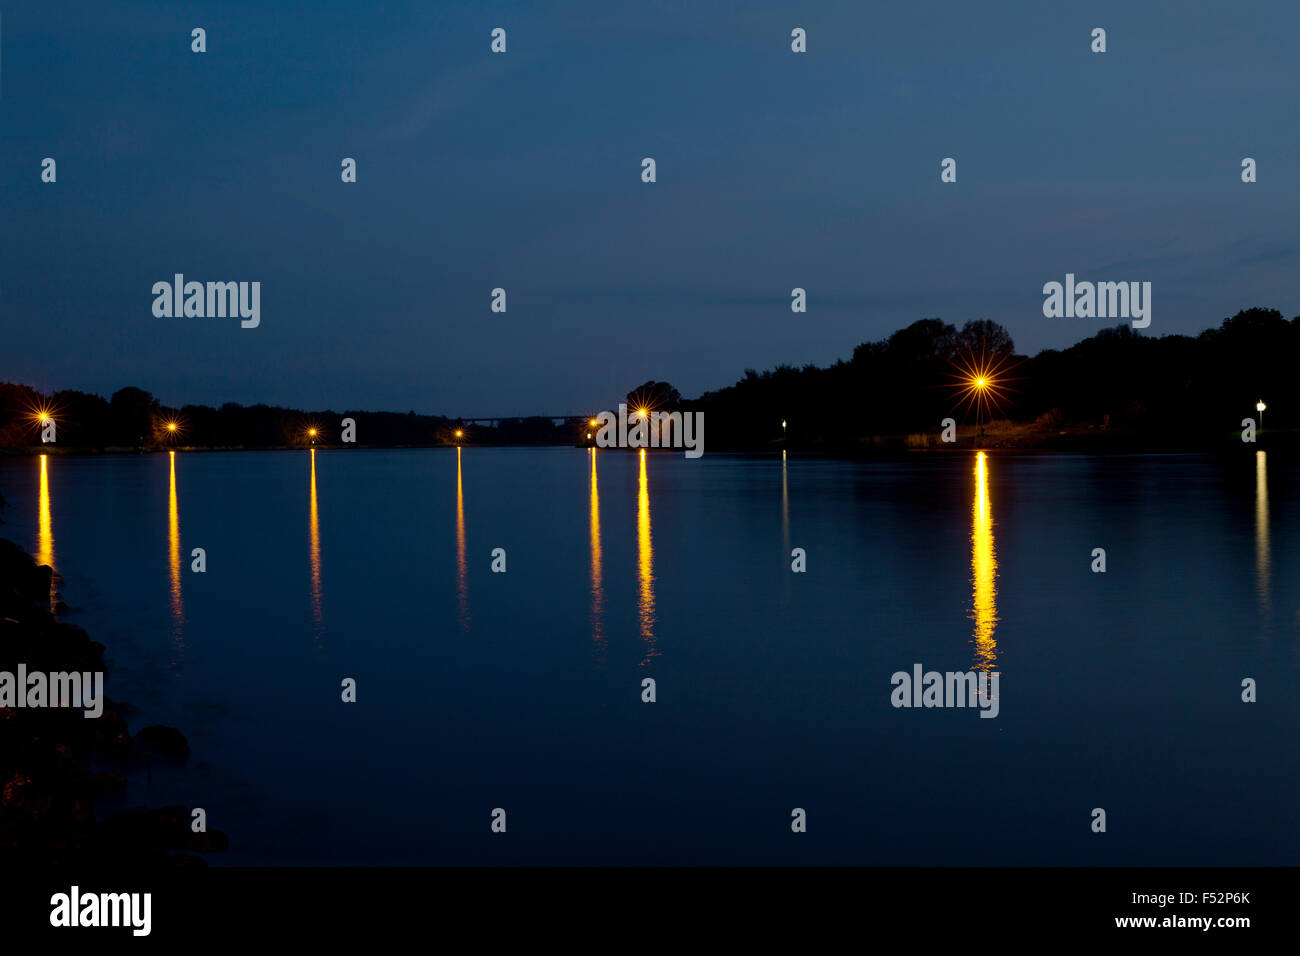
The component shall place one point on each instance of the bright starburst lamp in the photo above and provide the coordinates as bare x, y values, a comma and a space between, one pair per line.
980, 382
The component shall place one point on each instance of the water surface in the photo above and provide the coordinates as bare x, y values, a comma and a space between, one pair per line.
522, 690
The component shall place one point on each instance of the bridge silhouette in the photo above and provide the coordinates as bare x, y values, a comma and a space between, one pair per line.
493, 421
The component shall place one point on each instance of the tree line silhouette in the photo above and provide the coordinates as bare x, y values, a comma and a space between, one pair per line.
1119, 385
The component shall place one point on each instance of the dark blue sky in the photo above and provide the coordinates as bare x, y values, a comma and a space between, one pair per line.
477, 170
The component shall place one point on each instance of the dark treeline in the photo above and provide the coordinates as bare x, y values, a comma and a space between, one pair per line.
1175, 390
133, 418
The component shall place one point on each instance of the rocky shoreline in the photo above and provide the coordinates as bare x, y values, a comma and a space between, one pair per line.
54, 762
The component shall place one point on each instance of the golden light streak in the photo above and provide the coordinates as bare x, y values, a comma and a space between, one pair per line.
645, 565
44, 526
984, 567
174, 554
462, 583
597, 587
45, 532
313, 553
1263, 552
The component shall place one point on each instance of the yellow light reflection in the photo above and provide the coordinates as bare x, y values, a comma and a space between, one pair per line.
314, 553
462, 585
984, 568
45, 527
174, 555
597, 588
645, 565
45, 532
1263, 556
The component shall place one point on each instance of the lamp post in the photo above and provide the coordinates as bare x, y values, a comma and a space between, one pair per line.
1259, 407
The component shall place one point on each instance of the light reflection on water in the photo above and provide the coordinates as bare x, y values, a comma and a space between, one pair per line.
984, 568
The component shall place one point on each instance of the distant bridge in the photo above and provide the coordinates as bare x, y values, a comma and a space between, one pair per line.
494, 421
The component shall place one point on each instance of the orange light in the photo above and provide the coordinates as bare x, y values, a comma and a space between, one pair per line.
171, 426
643, 412
311, 432
459, 433
591, 422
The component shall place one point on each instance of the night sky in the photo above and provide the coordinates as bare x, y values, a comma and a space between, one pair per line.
522, 170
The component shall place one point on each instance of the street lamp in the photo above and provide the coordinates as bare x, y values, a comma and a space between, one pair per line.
981, 386
1259, 407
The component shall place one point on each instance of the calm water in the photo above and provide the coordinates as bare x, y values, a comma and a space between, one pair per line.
522, 690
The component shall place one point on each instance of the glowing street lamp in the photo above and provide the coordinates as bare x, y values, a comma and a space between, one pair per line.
981, 390
459, 434
979, 381
44, 418
1259, 407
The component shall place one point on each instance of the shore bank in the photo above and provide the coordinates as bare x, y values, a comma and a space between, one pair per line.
55, 762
